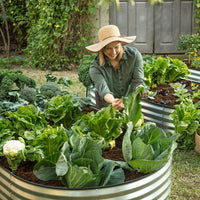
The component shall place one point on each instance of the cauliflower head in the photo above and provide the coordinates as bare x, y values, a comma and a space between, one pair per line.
13, 146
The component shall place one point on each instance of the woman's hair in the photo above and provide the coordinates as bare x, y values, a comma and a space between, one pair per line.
103, 58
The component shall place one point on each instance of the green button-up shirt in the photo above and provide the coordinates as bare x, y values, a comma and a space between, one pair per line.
121, 82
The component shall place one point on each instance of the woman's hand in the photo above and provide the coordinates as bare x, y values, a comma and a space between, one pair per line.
118, 104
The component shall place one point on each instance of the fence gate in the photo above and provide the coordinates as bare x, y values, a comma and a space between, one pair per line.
157, 27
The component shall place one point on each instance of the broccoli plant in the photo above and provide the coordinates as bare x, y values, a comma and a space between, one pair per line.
50, 89
29, 94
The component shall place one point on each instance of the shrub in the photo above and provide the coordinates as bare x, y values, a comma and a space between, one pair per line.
191, 45
59, 32
83, 73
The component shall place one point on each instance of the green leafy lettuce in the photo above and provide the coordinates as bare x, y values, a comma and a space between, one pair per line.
45, 142
186, 120
102, 126
27, 118
63, 110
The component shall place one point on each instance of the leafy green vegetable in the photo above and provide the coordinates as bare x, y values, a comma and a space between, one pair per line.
6, 133
103, 126
81, 167
149, 148
163, 70
186, 120
132, 107
29, 94
27, 118
63, 110
9, 77
43, 143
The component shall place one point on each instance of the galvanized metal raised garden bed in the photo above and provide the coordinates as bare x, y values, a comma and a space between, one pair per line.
152, 186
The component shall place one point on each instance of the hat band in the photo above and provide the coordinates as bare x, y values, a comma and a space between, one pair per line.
109, 37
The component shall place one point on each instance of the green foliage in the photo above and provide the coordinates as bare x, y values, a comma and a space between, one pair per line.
9, 77
10, 61
6, 133
27, 118
186, 120
191, 45
56, 32
63, 110
80, 167
197, 15
59, 32
83, 70
183, 94
17, 20
44, 142
163, 70
149, 148
50, 89
106, 123
132, 108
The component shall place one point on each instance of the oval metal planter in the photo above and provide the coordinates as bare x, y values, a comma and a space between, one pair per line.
156, 185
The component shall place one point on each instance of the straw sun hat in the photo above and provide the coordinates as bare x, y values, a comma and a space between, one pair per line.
108, 34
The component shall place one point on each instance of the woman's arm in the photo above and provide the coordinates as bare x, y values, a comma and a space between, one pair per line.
116, 103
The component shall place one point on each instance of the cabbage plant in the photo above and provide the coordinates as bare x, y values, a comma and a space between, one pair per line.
79, 167
148, 148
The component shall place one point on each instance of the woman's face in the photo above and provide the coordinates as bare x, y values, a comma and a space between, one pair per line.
112, 50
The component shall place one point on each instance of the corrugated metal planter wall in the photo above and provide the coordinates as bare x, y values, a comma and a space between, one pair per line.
153, 186
195, 75
160, 114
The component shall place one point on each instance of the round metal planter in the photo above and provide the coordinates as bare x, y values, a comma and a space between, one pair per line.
152, 186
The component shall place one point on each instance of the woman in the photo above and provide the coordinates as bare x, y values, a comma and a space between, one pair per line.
118, 69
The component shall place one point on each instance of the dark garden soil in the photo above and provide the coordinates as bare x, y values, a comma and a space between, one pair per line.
25, 169
166, 95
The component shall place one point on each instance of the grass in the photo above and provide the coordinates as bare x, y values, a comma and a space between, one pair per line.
76, 88
185, 176
186, 164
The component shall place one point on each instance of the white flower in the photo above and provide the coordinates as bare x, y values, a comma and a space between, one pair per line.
13, 146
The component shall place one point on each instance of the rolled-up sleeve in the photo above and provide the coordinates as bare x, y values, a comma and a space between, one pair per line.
99, 80
138, 73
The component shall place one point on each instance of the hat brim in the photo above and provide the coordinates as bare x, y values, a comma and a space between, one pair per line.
98, 46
